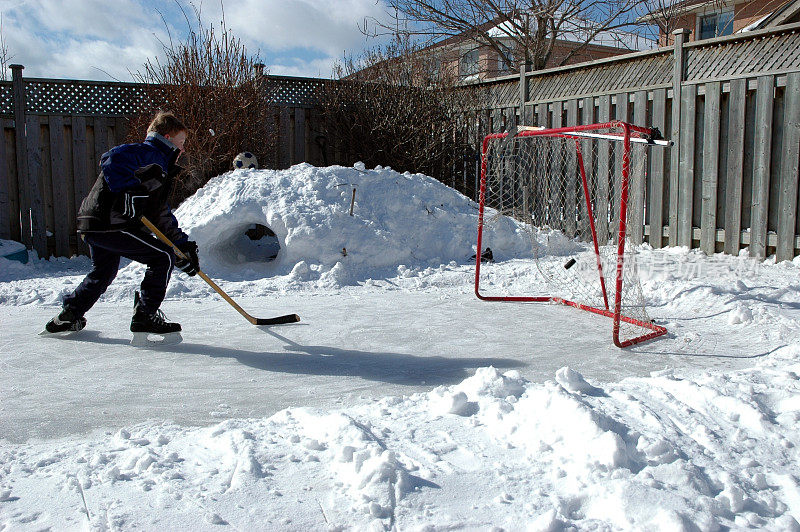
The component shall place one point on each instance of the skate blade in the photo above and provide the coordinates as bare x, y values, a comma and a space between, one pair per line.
68, 332
59, 333
143, 339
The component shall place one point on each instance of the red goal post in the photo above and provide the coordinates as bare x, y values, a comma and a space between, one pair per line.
571, 185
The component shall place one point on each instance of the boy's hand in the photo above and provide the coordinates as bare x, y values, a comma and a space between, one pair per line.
191, 264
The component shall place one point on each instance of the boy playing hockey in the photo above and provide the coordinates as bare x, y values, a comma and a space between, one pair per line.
135, 180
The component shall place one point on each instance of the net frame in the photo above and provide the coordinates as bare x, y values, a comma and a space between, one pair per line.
646, 330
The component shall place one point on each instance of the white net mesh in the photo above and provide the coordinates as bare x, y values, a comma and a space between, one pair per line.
544, 180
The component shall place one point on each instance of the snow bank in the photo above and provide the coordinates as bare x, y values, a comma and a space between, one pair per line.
667, 452
398, 219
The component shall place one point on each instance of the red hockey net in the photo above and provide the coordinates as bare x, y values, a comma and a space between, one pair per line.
569, 188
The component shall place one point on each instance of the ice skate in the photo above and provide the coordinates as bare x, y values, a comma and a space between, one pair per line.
151, 330
66, 322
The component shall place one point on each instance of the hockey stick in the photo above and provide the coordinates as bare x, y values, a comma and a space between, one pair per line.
288, 318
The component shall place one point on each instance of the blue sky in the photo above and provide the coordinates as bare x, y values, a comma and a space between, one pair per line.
108, 39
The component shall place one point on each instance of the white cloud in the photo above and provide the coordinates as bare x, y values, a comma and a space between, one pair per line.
81, 39
316, 68
327, 27
103, 19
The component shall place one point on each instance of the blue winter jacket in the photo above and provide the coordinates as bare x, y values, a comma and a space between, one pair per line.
147, 167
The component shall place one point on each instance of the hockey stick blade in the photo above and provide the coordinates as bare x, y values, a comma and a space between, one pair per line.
278, 320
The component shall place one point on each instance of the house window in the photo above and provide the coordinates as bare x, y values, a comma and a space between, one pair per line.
469, 65
716, 25
505, 66
435, 69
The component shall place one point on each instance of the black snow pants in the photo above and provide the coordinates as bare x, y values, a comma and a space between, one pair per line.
106, 250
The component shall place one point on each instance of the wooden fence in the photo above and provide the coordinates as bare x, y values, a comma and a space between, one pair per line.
732, 107
54, 132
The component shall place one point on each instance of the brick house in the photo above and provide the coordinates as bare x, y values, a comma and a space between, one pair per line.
705, 19
461, 57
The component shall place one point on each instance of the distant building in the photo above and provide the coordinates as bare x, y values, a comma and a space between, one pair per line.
461, 57
706, 19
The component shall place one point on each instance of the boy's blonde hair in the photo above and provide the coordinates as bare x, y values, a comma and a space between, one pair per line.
166, 123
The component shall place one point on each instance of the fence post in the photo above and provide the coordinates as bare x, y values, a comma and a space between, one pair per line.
18, 90
524, 68
678, 70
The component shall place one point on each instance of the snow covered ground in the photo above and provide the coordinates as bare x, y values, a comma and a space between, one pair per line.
400, 401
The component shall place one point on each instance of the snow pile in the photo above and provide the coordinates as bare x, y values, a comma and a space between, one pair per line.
398, 219
665, 452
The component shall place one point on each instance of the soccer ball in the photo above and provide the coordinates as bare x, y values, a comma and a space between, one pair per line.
245, 160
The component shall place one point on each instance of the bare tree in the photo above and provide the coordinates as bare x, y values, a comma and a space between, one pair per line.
5, 55
666, 16
393, 106
532, 27
212, 83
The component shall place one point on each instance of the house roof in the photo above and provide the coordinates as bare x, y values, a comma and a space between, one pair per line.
780, 16
774, 18
682, 7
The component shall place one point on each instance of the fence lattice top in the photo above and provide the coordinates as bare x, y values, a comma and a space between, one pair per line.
6, 98
57, 97
54, 96
295, 92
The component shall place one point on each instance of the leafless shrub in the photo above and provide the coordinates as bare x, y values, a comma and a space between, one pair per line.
5, 54
393, 106
217, 90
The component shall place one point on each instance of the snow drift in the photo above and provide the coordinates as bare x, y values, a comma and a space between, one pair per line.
397, 219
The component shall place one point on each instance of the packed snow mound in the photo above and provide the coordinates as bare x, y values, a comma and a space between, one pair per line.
397, 219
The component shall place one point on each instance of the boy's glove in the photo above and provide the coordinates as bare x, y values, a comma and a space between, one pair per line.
134, 202
190, 265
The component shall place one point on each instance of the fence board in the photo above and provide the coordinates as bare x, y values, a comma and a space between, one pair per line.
120, 130
14, 187
5, 187
46, 182
710, 177
571, 175
100, 138
299, 135
61, 185
589, 164
790, 169
762, 156
603, 174
80, 161
637, 183
656, 175
686, 165
285, 157
27, 186
35, 185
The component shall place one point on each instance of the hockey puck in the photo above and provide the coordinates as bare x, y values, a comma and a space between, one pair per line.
570, 263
